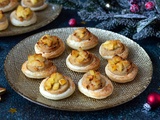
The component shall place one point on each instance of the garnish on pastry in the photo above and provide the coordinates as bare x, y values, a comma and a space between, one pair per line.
49, 46
3, 21
95, 85
121, 70
35, 5
83, 38
8, 5
82, 61
23, 16
111, 48
57, 87
38, 67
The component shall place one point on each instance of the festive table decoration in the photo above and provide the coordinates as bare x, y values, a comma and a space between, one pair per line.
72, 22
2, 91
12, 110
137, 19
153, 101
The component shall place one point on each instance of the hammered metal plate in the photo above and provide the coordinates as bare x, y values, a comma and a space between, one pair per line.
44, 17
29, 88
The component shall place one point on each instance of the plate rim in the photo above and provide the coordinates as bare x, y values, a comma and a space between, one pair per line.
10, 33
64, 108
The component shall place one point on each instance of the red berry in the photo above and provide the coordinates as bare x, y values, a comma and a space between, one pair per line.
149, 5
72, 22
134, 8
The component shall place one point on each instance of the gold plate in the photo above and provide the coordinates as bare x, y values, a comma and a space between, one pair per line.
44, 17
29, 88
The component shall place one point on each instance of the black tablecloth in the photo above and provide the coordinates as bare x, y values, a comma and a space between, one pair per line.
15, 107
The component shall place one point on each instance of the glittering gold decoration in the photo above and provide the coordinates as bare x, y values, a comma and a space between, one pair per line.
12, 110
83, 22
2, 91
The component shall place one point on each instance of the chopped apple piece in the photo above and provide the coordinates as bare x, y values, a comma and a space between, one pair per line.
75, 53
58, 77
80, 59
62, 81
51, 80
119, 66
92, 72
47, 85
56, 86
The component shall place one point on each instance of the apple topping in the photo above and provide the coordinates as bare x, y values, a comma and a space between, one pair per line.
119, 64
112, 44
82, 33
49, 40
55, 81
93, 80
79, 56
23, 13
36, 62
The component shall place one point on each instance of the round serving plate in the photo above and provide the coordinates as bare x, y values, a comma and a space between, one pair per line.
29, 88
44, 17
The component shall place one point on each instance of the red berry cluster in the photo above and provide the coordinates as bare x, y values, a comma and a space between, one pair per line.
134, 8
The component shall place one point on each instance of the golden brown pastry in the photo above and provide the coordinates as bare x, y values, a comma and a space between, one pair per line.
3, 21
121, 70
57, 87
95, 85
82, 61
35, 5
113, 47
38, 67
23, 17
8, 5
83, 38
49, 46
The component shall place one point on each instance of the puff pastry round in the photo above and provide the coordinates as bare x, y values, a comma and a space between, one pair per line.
38, 67
3, 21
121, 70
82, 61
35, 5
57, 87
95, 85
23, 17
8, 5
112, 48
83, 38
49, 46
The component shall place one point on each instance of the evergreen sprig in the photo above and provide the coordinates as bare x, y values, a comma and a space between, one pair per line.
118, 17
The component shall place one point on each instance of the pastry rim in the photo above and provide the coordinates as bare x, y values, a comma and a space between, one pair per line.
48, 95
51, 54
83, 69
122, 79
89, 93
41, 74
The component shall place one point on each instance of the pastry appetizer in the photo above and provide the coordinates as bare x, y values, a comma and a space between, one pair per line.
35, 5
57, 87
82, 61
113, 47
8, 5
121, 70
38, 67
83, 38
3, 21
95, 85
49, 46
23, 17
